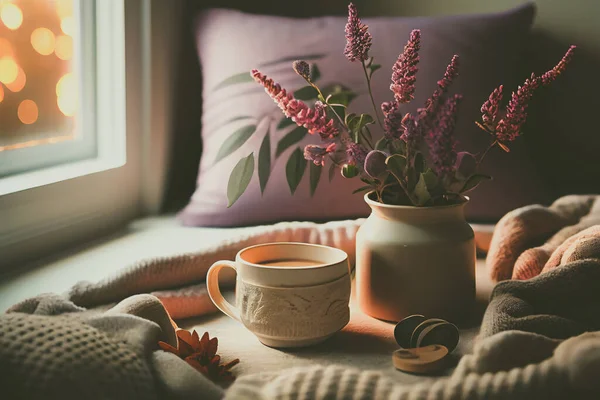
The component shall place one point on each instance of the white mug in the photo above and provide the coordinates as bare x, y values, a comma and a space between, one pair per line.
287, 303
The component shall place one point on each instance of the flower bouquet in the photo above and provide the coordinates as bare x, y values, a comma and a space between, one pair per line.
417, 161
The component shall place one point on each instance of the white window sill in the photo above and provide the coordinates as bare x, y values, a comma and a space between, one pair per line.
47, 176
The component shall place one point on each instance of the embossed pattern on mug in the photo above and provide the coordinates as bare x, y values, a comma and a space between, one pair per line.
300, 312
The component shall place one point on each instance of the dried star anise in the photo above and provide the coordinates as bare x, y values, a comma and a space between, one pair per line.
201, 354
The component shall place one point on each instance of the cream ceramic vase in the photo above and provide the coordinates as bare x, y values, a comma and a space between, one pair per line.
415, 260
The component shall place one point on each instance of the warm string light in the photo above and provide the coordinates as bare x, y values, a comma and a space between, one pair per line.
27, 112
19, 83
8, 70
43, 41
66, 92
64, 47
11, 15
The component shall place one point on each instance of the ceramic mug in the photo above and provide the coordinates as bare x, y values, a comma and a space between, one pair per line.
287, 294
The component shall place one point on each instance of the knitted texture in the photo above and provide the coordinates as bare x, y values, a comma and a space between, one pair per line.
515, 250
519, 355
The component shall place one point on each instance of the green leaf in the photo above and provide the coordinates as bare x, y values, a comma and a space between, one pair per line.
419, 163
294, 169
381, 144
398, 146
264, 162
241, 117
235, 141
239, 179
431, 180
306, 93
362, 189
315, 176
285, 122
474, 181
396, 164
242, 77
293, 137
343, 98
315, 73
349, 118
421, 192
373, 68
307, 57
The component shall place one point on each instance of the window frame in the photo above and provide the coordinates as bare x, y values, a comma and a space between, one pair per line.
45, 211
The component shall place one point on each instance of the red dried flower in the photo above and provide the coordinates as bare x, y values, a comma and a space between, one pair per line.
428, 113
317, 154
314, 119
201, 354
551, 75
441, 141
404, 71
358, 38
302, 68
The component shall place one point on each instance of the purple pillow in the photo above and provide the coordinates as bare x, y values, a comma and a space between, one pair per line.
231, 43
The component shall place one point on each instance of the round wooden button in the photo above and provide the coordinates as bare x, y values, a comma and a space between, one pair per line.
404, 329
420, 360
444, 333
419, 328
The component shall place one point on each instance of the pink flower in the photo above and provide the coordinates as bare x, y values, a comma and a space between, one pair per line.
412, 134
509, 127
551, 75
358, 38
317, 154
314, 119
391, 119
356, 154
442, 145
404, 71
489, 109
427, 114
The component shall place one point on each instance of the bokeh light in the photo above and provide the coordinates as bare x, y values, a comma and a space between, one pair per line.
43, 41
67, 25
27, 112
64, 47
19, 83
66, 95
11, 15
8, 70
6, 49
64, 8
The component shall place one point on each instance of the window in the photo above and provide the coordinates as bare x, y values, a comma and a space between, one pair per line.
61, 72
66, 173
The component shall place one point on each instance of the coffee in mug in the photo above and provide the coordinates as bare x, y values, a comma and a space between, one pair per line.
287, 294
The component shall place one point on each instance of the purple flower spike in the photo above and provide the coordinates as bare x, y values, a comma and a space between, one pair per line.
314, 119
302, 68
450, 74
551, 75
317, 154
441, 140
392, 119
404, 71
412, 134
358, 38
489, 109
375, 165
356, 154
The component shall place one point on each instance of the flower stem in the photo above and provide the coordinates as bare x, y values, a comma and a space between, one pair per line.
371, 94
486, 151
413, 202
330, 107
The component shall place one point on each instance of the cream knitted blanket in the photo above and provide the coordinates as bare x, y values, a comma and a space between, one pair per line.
78, 346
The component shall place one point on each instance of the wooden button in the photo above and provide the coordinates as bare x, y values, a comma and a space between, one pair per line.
443, 333
419, 328
405, 328
420, 360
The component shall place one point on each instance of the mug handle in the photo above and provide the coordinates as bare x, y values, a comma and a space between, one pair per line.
212, 285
